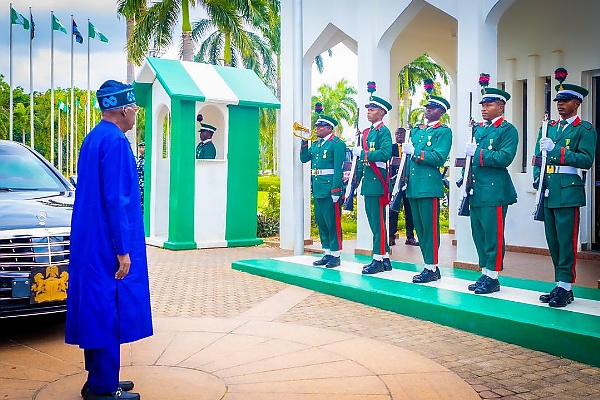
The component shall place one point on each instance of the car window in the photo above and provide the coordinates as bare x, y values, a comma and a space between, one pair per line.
22, 170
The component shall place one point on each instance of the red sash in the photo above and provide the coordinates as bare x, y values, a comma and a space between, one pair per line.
385, 198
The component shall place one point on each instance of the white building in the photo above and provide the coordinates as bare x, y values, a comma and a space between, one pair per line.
518, 42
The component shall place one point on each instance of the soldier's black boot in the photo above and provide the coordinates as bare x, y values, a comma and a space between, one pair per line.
333, 262
478, 282
387, 264
322, 261
562, 298
545, 298
374, 268
487, 286
427, 276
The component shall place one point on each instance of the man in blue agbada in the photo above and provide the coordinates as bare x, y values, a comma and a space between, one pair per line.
108, 300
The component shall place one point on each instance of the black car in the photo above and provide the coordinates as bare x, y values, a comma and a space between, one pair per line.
36, 203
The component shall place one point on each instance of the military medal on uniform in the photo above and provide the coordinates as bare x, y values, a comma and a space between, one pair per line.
490, 146
428, 140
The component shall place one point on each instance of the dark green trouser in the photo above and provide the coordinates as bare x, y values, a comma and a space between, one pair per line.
487, 227
426, 216
562, 231
376, 216
328, 219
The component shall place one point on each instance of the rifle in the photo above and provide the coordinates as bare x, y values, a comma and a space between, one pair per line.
538, 214
467, 180
352, 184
400, 176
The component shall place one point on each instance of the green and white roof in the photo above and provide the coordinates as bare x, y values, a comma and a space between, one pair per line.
207, 82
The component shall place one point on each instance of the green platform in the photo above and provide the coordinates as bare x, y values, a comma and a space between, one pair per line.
513, 315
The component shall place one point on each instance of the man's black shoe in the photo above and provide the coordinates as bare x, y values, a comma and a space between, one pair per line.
488, 285
118, 395
387, 264
322, 261
368, 265
427, 276
561, 298
478, 282
545, 298
392, 241
411, 242
374, 268
333, 262
125, 386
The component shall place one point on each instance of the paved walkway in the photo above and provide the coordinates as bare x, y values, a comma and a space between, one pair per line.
226, 334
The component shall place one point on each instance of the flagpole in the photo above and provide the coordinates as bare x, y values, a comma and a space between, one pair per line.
52, 90
59, 147
67, 140
11, 73
87, 106
31, 133
72, 102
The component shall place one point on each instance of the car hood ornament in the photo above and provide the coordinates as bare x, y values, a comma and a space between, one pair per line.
42, 216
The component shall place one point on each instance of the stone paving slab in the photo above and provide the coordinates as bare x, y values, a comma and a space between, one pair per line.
197, 292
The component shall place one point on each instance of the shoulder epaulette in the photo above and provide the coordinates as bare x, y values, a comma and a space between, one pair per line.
587, 125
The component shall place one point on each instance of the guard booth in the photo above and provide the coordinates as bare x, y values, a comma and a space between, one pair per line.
191, 203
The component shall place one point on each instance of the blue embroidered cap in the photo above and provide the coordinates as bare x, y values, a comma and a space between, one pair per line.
113, 94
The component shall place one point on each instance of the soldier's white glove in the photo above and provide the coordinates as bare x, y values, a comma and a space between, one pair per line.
357, 151
470, 149
546, 144
335, 198
408, 148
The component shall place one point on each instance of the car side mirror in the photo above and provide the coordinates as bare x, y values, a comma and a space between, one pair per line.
73, 180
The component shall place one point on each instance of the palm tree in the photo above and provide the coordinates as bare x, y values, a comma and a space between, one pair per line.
130, 9
411, 76
154, 27
338, 102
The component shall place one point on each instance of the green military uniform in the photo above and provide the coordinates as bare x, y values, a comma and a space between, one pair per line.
425, 187
575, 146
206, 151
372, 169
327, 157
493, 190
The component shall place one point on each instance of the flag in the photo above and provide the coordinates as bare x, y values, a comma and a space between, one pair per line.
62, 106
32, 28
76, 33
57, 26
95, 33
18, 19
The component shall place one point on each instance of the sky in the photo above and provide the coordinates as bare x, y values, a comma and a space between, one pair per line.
107, 60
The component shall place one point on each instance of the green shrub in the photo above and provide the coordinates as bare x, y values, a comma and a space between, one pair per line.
266, 183
268, 215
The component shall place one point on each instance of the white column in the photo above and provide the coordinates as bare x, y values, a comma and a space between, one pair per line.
286, 138
477, 53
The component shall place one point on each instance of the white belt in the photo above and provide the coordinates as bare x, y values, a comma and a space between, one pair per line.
315, 172
381, 164
561, 169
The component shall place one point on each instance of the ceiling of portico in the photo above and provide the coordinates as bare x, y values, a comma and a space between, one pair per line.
430, 31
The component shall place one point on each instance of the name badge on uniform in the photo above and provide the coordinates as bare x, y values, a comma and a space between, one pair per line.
567, 141
491, 142
325, 153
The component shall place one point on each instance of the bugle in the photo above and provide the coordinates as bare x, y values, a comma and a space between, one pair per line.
301, 128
